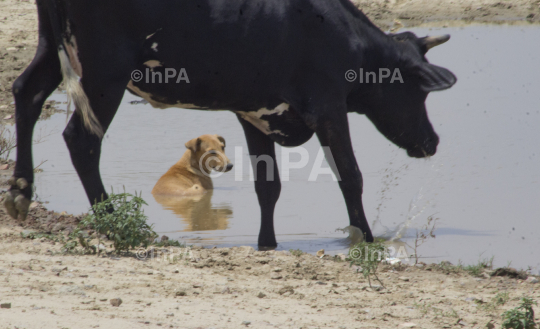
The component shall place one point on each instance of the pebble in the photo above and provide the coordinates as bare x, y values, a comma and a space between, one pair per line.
116, 302
277, 276
277, 269
531, 279
4, 167
180, 293
408, 325
246, 323
58, 269
5, 305
286, 289
7, 117
261, 295
403, 278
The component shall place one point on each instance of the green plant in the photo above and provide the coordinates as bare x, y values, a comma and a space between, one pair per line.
499, 299
120, 218
368, 256
296, 252
426, 308
521, 317
7, 142
422, 235
476, 270
170, 243
41, 235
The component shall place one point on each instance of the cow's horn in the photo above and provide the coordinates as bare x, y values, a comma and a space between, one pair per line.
431, 42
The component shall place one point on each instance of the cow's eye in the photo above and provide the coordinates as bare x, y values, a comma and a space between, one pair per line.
212, 152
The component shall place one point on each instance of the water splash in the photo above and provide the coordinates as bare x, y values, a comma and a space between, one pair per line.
355, 235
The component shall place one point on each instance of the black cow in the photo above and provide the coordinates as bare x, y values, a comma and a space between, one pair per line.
280, 65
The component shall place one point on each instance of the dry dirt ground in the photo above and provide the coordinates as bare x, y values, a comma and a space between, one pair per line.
40, 287
233, 288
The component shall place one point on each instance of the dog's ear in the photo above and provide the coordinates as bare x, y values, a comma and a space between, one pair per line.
194, 144
221, 139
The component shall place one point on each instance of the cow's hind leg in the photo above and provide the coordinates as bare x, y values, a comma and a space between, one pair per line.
104, 86
30, 90
267, 182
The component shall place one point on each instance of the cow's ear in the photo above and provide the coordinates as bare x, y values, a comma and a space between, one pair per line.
221, 139
434, 78
194, 144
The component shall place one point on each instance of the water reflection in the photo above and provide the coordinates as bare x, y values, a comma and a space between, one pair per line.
197, 212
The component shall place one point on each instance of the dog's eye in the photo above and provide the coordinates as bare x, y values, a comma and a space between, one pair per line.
212, 152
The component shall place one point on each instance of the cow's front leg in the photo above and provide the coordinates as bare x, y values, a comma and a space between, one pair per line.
267, 182
333, 133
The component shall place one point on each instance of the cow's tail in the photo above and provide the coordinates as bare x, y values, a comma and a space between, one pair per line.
77, 95
72, 82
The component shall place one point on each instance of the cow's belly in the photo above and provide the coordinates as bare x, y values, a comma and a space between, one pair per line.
281, 124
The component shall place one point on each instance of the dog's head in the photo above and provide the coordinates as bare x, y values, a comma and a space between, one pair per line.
208, 152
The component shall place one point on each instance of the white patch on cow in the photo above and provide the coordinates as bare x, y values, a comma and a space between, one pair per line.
158, 105
72, 51
151, 35
154, 46
255, 118
152, 63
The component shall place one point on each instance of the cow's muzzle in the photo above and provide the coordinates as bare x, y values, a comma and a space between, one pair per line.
427, 149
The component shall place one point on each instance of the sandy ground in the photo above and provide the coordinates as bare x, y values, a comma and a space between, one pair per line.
234, 288
237, 287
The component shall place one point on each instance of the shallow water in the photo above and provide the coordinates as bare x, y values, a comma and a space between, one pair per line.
483, 184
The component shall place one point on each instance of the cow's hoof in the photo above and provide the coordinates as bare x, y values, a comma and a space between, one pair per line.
15, 202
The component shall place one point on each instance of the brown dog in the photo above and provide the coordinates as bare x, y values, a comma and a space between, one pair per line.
191, 174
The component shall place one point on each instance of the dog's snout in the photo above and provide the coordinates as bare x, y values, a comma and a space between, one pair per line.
228, 167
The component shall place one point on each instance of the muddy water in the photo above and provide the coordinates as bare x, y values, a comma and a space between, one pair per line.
483, 185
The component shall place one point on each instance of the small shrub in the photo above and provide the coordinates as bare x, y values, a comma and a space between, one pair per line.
500, 299
296, 252
121, 219
476, 270
521, 317
170, 243
368, 256
8, 142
